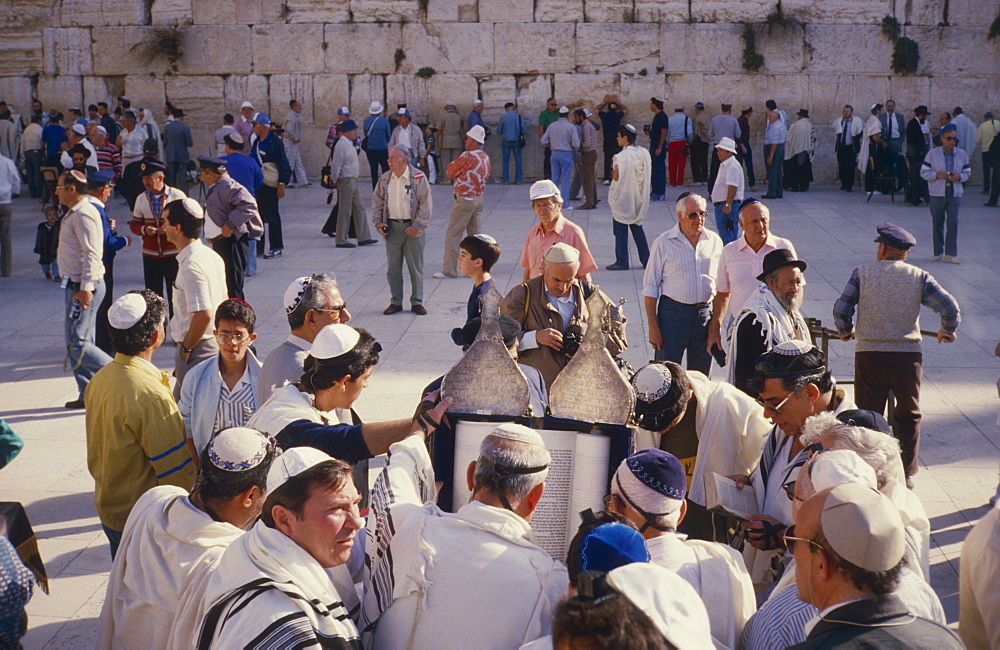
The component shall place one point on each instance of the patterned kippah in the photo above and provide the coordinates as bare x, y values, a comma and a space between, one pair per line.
238, 449
660, 471
294, 292
630, 128
485, 238
652, 382
793, 348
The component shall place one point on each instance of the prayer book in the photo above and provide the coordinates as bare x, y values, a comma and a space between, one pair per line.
722, 496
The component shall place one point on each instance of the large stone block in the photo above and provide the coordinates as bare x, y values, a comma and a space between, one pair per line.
826, 97
67, 51
448, 47
608, 11
660, 11
171, 12
452, 11
410, 90
553, 48
790, 92
21, 52
586, 90
948, 92
738, 90
253, 88
329, 92
851, 12
207, 50
926, 12
287, 48
234, 12
59, 92
201, 97
495, 92
559, 11
18, 93
969, 12
197, 49
635, 93
687, 89
354, 49
909, 92
28, 14
461, 89
949, 51
784, 49
102, 89
317, 11
700, 48
364, 89
617, 48
146, 90
508, 11
724, 11
848, 49
532, 93
282, 88
868, 90
97, 13
386, 11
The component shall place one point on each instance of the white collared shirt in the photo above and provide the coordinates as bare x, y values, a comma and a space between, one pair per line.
398, 195
680, 271
200, 286
739, 267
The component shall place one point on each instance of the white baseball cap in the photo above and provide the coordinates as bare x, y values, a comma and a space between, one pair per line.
543, 189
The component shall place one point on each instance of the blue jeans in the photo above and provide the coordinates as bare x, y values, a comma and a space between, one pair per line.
33, 172
944, 213
747, 159
775, 171
508, 148
562, 172
728, 234
114, 540
252, 260
177, 175
84, 355
684, 328
621, 243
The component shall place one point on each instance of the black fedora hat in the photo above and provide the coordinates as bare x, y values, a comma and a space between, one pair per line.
779, 258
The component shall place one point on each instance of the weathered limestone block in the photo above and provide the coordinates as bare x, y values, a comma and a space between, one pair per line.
687, 89
585, 90
559, 11
532, 93
448, 47
97, 89
241, 88
961, 51
287, 48
233, 12
452, 11
739, 90
410, 90
94, 13
784, 49
617, 47
868, 90
826, 97
354, 49
635, 93
207, 50
852, 49
171, 12
660, 11
201, 97
59, 92
553, 48
317, 11
789, 91
17, 92
724, 11
329, 92
495, 92
700, 48
460, 89
851, 12
970, 12
364, 89
146, 90
388, 11
508, 11
909, 92
949, 92
608, 11
21, 52
926, 12
126, 50
284, 87
67, 51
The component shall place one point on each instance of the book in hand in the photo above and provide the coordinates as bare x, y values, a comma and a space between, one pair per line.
722, 496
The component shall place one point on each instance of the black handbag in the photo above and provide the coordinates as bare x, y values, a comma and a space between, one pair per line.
324, 175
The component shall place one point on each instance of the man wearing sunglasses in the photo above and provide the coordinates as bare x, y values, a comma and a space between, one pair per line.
946, 169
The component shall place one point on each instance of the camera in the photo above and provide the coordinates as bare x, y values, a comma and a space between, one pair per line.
570, 343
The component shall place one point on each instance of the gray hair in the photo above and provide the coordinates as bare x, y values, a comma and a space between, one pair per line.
401, 149
764, 210
880, 450
313, 297
681, 205
513, 454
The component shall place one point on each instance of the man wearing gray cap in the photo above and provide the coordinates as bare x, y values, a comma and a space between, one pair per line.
888, 294
848, 544
452, 129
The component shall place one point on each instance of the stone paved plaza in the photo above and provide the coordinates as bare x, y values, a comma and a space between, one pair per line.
833, 231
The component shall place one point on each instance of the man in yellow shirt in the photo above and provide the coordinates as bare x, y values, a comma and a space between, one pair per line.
135, 434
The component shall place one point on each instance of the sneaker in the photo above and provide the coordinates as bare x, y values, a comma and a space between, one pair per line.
934, 258
606, 183
951, 259
440, 275
273, 253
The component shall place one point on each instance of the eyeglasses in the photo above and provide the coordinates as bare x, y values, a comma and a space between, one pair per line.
791, 540
701, 214
789, 489
766, 405
949, 139
60, 188
232, 337
334, 310
608, 500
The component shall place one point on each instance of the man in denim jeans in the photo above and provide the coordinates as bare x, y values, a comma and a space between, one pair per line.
81, 246
946, 169
512, 128
774, 149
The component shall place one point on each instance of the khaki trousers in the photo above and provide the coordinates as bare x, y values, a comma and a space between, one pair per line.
462, 222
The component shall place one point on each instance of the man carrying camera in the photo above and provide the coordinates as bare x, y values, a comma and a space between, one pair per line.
553, 314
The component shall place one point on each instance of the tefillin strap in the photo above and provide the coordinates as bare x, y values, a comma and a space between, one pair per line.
500, 473
649, 517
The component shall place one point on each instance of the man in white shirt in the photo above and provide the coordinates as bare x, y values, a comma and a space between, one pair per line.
847, 130
311, 303
727, 190
648, 488
679, 284
344, 171
78, 136
199, 289
10, 184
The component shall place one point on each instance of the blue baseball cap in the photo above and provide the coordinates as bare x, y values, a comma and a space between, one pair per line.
262, 118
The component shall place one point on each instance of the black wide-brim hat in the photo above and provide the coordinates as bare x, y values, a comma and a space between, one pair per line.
779, 258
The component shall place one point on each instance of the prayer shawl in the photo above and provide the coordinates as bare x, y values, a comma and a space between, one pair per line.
473, 579
731, 432
762, 564
872, 126
801, 139
289, 404
168, 547
777, 325
629, 195
717, 573
268, 592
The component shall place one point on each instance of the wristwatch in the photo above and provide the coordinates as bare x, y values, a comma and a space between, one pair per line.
184, 349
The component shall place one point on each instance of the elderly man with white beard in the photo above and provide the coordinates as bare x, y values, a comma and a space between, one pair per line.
769, 317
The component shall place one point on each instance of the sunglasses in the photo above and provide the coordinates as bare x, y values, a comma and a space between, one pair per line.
791, 540
701, 214
334, 310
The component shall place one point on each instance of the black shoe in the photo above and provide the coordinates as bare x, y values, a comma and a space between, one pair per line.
367, 242
346, 244
616, 267
989, 205
768, 196
271, 254
75, 404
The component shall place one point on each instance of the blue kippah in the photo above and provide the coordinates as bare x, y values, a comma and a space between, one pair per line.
610, 546
948, 127
659, 471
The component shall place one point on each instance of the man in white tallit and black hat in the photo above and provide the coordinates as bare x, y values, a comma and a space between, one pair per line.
173, 540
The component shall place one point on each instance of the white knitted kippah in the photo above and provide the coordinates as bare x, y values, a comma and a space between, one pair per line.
793, 348
127, 311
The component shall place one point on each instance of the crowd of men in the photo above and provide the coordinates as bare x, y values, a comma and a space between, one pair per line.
231, 498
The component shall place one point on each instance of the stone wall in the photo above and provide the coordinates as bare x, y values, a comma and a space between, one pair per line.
329, 53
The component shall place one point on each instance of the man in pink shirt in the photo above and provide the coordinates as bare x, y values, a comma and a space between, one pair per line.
552, 228
470, 173
740, 264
